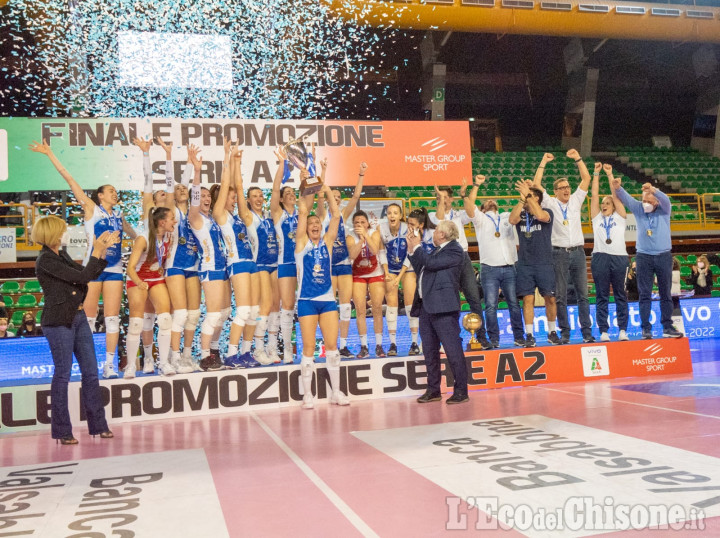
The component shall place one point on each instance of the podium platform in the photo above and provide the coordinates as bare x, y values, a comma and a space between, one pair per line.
27, 407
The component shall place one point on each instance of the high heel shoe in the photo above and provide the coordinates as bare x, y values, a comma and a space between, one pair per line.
69, 440
105, 435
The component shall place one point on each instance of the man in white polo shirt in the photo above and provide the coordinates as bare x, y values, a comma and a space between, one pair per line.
468, 284
568, 243
496, 239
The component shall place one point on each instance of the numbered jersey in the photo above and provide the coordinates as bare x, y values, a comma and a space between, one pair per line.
286, 229
267, 250
240, 240
210, 244
184, 249
100, 222
340, 253
313, 267
395, 246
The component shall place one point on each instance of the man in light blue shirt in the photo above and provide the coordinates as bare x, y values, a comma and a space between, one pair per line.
653, 253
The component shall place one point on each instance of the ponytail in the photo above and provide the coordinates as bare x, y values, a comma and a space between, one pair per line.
156, 215
423, 217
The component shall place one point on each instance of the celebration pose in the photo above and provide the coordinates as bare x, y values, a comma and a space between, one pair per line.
146, 281
316, 298
101, 215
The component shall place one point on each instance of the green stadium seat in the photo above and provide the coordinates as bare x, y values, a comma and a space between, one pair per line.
465, 307
685, 271
27, 301
10, 286
9, 302
692, 258
38, 316
32, 286
715, 293
16, 318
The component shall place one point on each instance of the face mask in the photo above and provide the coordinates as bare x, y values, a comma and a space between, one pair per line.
701, 265
648, 207
65, 239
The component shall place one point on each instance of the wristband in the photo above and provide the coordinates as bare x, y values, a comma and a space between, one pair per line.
195, 196
541, 167
597, 174
578, 160
169, 178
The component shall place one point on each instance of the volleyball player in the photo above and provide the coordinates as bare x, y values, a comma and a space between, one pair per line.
364, 244
213, 274
398, 270
101, 215
316, 298
146, 280
419, 220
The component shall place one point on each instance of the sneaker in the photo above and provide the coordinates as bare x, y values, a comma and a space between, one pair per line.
485, 344
379, 351
414, 350
288, 357
183, 365
589, 339
672, 332
273, 357
529, 340
232, 361
345, 353
647, 334
248, 361
429, 396
211, 362
519, 342
262, 357
392, 351
338, 398
308, 402
604, 337
553, 338
364, 353
130, 370
109, 371
495, 344
564, 338
623, 337
165, 368
457, 399
215, 353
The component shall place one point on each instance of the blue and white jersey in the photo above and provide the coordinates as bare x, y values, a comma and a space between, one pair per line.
427, 241
340, 254
210, 244
286, 237
267, 253
313, 268
395, 246
184, 250
101, 222
240, 240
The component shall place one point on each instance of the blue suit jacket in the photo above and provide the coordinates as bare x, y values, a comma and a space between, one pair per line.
440, 279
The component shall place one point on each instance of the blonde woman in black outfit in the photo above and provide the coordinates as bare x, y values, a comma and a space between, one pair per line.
65, 325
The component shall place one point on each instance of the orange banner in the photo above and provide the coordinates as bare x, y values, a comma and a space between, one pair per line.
574, 363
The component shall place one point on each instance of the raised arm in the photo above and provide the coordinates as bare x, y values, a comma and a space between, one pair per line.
219, 211
169, 175
128, 229
662, 198
533, 206
634, 205
440, 204
352, 203
188, 172
147, 195
194, 216
595, 192
619, 207
243, 209
321, 210
275, 207
469, 200
584, 174
334, 224
537, 179
84, 200
301, 237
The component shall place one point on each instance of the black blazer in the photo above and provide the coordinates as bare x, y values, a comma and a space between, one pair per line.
64, 284
440, 279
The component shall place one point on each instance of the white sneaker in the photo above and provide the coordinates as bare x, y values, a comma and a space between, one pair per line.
308, 402
109, 371
273, 357
130, 370
604, 337
262, 357
338, 398
288, 358
165, 368
149, 366
182, 365
623, 336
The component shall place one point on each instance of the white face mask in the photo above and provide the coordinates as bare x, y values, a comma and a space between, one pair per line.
65, 239
648, 207
701, 265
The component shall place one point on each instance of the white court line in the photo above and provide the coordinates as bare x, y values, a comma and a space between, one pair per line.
640, 404
334, 498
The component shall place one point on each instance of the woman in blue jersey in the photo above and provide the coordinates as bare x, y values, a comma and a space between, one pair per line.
267, 262
342, 265
240, 240
101, 216
398, 270
419, 221
316, 298
284, 215
213, 273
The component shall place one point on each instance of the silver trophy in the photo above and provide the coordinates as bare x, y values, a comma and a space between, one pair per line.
297, 154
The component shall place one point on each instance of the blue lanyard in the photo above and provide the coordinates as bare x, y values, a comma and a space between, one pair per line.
496, 224
528, 221
651, 222
160, 249
564, 212
607, 224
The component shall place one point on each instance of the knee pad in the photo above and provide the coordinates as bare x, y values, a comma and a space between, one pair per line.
225, 314
112, 324
391, 315
165, 321
345, 312
242, 314
179, 319
274, 322
307, 366
333, 359
254, 312
287, 316
212, 320
148, 321
135, 326
413, 322
193, 317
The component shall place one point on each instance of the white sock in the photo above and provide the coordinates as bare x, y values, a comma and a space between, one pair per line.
187, 352
175, 356
215, 345
246, 346
163, 342
551, 326
148, 350
109, 357
286, 326
393, 338
378, 339
204, 353
363, 340
343, 342
232, 349
414, 337
529, 328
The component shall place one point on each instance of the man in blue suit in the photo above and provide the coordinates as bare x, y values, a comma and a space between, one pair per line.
437, 304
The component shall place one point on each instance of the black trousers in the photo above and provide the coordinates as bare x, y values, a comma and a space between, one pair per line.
437, 329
